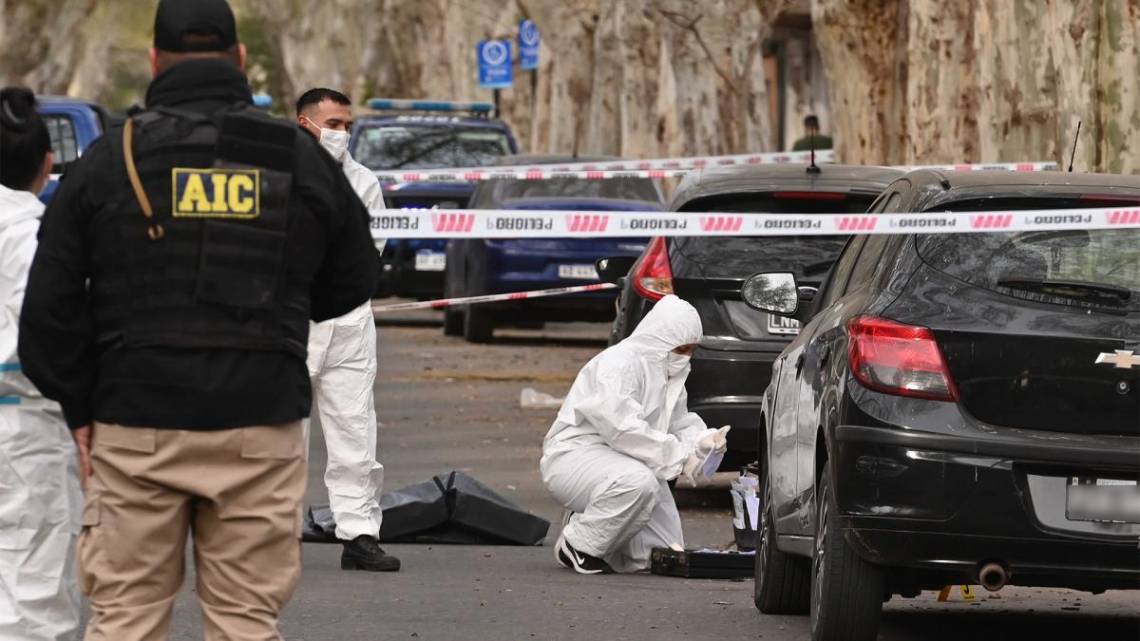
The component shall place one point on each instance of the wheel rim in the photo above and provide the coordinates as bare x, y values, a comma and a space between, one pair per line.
818, 557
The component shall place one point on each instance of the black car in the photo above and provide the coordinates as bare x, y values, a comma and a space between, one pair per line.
500, 266
960, 409
732, 366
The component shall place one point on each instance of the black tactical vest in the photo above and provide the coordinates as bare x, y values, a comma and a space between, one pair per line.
216, 275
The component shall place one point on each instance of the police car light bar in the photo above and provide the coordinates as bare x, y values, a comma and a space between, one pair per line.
387, 104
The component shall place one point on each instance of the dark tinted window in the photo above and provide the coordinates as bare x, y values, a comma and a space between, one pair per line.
418, 147
64, 145
1012, 262
834, 287
491, 194
869, 259
809, 257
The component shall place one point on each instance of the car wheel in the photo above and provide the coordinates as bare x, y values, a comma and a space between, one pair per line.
452, 316
478, 325
783, 581
846, 591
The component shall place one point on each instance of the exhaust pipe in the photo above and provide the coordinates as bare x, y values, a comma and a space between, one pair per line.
993, 576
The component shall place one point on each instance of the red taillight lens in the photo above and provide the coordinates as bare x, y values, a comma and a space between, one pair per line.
898, 359
653, 277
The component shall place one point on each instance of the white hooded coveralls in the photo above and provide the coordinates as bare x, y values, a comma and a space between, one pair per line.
623, 432
342, 366
40, 500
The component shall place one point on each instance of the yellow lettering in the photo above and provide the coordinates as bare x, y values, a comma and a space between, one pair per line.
219, 180
194, 195
241, 193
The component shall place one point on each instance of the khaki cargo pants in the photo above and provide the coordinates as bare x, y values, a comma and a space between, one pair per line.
235, 492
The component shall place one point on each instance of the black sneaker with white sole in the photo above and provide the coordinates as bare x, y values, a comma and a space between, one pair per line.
580, 562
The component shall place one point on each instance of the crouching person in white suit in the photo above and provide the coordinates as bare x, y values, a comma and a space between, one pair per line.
622, 434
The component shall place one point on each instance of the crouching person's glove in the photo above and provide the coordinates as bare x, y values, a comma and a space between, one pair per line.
707, 454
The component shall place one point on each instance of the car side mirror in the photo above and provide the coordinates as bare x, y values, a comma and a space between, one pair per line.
772, 292
614, 268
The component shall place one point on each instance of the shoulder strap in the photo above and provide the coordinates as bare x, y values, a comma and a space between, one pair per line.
154, 231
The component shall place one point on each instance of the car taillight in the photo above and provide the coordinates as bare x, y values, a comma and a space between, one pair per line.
653, 277
898, 359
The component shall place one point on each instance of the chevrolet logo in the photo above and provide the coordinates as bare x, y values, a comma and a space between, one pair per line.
1121, 359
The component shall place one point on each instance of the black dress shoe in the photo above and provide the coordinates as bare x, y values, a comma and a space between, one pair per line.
364, 553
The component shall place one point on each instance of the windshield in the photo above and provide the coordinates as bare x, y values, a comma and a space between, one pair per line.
1009, 262
493, 193
398, 147
809, 257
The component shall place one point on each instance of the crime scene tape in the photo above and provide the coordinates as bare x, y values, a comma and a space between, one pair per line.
470, 174
515, 223
491, 298
633, 169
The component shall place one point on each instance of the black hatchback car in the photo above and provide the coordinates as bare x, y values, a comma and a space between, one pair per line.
732, 366
961, 408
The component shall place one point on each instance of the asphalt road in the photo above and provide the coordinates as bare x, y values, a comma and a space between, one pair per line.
447, 405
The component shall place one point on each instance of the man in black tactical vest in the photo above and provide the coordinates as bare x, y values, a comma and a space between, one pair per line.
167, 310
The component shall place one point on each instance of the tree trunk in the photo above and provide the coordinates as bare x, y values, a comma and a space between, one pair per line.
860, 44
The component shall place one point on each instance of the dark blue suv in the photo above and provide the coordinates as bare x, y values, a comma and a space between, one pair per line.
425, 134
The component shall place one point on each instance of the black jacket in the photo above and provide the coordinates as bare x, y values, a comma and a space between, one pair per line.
327, 240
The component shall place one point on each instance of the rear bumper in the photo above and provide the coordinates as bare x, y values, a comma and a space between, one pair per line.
399, 276
939, 505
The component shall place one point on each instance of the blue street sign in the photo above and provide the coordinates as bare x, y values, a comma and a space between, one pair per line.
495, 70
528, 44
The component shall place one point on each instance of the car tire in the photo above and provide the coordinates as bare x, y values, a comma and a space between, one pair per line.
846, 591
478, 325
783, 581
452, 322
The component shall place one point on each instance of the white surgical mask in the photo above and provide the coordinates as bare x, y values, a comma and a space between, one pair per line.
677, 363
335, 142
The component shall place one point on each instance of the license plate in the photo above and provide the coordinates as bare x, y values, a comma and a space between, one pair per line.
1104, 500
578, 272
430, 261
782, 325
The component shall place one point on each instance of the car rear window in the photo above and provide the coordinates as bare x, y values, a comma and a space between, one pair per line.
809, 257
1011, 262
493, 193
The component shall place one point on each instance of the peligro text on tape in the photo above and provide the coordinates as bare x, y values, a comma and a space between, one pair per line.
511, 223
491, 298
470, 174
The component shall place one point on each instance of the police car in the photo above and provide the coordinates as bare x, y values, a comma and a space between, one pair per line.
425, 134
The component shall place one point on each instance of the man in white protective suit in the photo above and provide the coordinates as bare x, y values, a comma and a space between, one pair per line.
342, 366
40, 501
622, 434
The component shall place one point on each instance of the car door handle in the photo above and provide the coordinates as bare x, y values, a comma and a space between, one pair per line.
799, 363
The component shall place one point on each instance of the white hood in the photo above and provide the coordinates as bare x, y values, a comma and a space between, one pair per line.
626, 399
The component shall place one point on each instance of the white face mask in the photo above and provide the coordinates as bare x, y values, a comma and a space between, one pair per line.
677, 363
335, 142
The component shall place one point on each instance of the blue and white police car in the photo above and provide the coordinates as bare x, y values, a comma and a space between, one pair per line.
425, 134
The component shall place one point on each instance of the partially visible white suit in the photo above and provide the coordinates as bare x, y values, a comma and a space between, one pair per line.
40, 500
623, 432
342, 366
